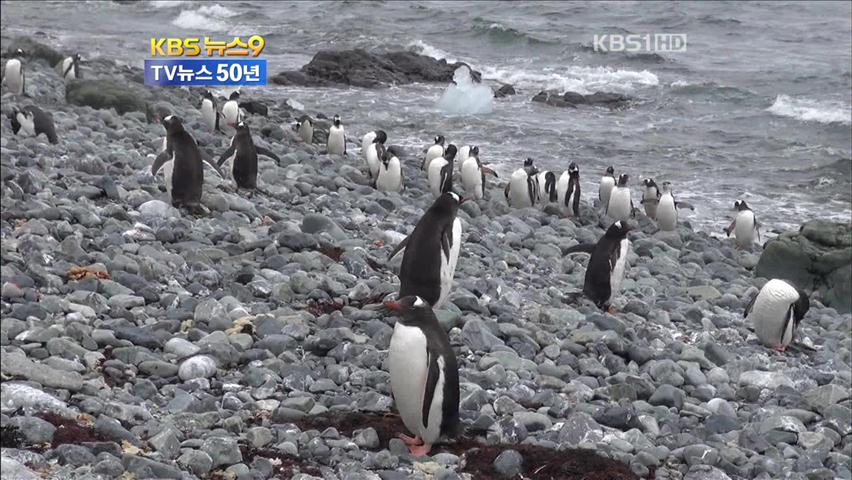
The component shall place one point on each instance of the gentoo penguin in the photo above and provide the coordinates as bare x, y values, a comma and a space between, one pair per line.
389, 178
69, 67
473, 175
667, 208
366, 140
373, 154
620, 206
431, 252
14, 77
435, 151
243, 155
776, 312
650, 198
231, 110
184, 167
209, 111
305, 127
744, 225
607, 184
33, 121
440, 172
464, 152
606, 265
522, 189
546, 182
336, 143
424, 375
568, 190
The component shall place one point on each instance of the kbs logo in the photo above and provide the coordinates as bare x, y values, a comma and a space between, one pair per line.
648, 42
208, 71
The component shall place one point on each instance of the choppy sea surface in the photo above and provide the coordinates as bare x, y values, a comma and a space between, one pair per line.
759, 106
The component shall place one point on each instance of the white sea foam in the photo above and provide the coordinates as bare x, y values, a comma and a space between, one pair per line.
423, 48
808, 110
464, 97
208, 17
584, 80
166, 3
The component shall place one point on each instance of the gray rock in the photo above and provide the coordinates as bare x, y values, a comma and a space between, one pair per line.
761, 379
668, 396
14, 469
144, 467
199, 366
76, 455
478, 337
315, 223
195, 461
705, 472
366, 438
104, 93
700, 454
508, 464
533, 421
17, 364
166, 443
820, 398
222, 450
34, 430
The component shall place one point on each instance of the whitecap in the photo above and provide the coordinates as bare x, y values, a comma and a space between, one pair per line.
464, 96
423, 48
207, 17
166, 3
579, 79
808, 110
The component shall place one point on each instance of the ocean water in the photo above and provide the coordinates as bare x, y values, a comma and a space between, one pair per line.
758, 107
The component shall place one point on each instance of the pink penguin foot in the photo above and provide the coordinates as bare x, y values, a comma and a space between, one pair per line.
420, 450
612, 310
779, 348
410, 441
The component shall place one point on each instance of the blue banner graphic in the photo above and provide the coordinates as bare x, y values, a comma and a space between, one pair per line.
194, 72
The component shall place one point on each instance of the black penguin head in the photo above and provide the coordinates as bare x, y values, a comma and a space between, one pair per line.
234, 95
77, 58
173, 124
610, 171
381, 137
448, 204
741, 205
618, 230
336, 120
622, 179
450, 152
801, 307
19, 53
528, 162
649, 182
413, 310
439, 140
573, 169
243, 128
208, 95
474, 151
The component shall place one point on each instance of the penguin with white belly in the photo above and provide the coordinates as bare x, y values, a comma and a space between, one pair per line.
667, 208
424, 375
568, 190
606, 186
431, 252
13, 76
210, 111
620, 205
389, 178
473, 175
744, 225
374, 154
32, 121
775, 312
522, 189
231, 110
650, 198
440, 172
607, 265
546, 182
243, 155
305, 127
435, 151
366, 141
336, 143
69, 67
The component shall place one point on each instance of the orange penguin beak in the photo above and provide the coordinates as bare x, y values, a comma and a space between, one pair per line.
392, 304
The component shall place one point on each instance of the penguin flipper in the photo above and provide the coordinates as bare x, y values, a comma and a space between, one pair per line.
264, 151
750, 305
447, 177
162, 158
228, 153
487, 170
398, 248
506, 191
209, 161
731, 228
433, 373
586, 248
577, 201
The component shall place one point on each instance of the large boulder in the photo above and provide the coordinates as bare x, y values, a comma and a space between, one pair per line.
369, 70
817, 258
103, 93
33, 49
573, 99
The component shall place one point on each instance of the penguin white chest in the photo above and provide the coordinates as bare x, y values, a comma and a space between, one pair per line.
390, 177
336, 141
408, 360
366, 141
619, 204
168, 172
373, 160
562, 190
434, 174
471, 177
435, 151
771, 316
617, 275
649, 200
68, 69
448, 264
519, 190
464, 153
208, 113
306, 132
666, 213
605, 190
13, 77
231, 112
744, 228
541, 182
27, 125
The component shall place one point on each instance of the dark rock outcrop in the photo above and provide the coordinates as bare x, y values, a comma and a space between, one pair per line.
360, 68
504, 91
573, 99
34, 49
103, 94
817, 258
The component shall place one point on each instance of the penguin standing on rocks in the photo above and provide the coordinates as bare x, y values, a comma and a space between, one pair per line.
473, 175
305, 127
667, 208
440, 172
366, 141
33, 121
650, 198
389, 178
620, 206
606, 186
210, 112
607, 265
775, 312
431, 252
744, 225
243, 155
182, 162
14, 77
336, 143
69, 67
231, 110
435, 151
424, 375
546, 182
568, 190
373, 155
522, 189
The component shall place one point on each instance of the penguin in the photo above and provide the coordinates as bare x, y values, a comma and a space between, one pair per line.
373, 154
69, 67
606, 186
14, 77
667, 208
546, 182
775, 312
183, 165
607, 265
210, 112
464, 152
336, 143
431, 252
305, 127
389, 178
424, 375
231, 110
33, 121
522, 189
243, 153
650, 198
366, 141
620, 206
568, 190
744, 225
435, 151
473, 175
440, 172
